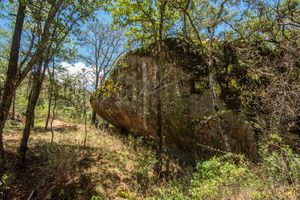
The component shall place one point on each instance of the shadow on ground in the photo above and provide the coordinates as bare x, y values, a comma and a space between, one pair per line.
53, 172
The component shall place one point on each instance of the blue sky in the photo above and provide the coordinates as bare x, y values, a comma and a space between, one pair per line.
102, 16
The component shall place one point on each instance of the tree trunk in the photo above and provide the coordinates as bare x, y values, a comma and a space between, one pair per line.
1, 89
28, 86
85, 120
158, 122
94, 115
32, 101
51, 79
33, 119
53, 117
11, 75
158, 109
212, 85
13, 107
53, 110
184, 26
85, 129
49, 109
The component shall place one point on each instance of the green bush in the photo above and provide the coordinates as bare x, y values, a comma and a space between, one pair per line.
221, 177
218, 178
232, 177
279, 161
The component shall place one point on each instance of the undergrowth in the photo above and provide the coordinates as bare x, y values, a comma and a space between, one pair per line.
233, 177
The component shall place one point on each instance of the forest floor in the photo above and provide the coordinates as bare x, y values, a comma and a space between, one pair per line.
115, 166
109, 167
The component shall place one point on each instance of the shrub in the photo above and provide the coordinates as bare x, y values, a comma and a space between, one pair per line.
221, 177
144, 171
232, 177
175, 190
279, 161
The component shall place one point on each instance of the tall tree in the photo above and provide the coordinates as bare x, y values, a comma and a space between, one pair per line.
50, 92
104, 46
38, 78
10, 83
160, 54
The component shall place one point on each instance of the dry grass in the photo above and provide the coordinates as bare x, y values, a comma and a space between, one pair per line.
110, 167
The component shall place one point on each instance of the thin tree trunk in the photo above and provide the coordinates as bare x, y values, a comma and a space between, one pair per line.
28, 86
158, 117
85, 119
158, 114
1, 89
94, 118
184, 31
34, 96
53, 117
212, 84
11, 75
85, 129
51, 78
158, 110
184, 27
94, 115
49, 109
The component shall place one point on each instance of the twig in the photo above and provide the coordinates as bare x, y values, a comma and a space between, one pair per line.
31, 195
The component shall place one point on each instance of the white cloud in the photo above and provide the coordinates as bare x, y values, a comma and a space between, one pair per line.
74, 70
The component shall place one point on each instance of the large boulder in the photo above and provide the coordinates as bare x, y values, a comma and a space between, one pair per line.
191, 126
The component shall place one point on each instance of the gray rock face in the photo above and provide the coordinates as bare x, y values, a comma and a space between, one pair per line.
191, 127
